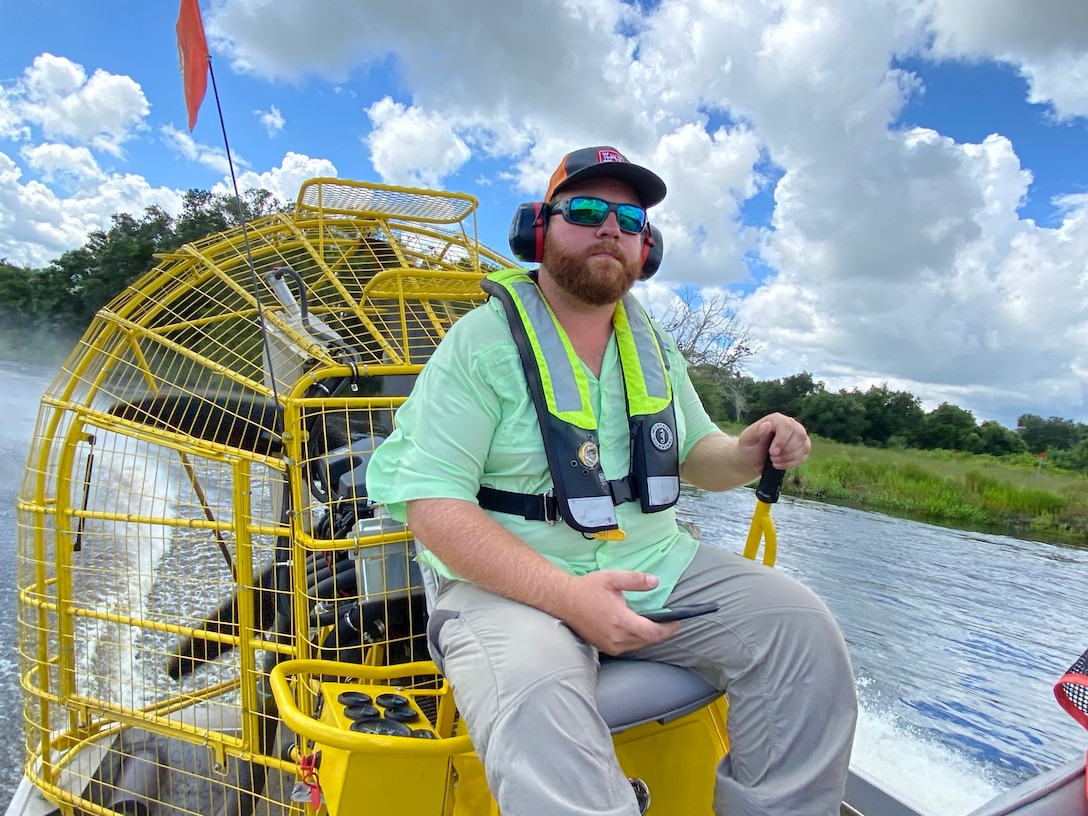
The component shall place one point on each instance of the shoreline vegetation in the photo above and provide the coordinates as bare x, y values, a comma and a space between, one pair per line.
1010, 496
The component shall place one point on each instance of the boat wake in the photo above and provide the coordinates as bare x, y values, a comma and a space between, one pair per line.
117, 563
931, 777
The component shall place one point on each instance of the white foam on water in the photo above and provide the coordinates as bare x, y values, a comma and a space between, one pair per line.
140, 485
930, 777
24, 385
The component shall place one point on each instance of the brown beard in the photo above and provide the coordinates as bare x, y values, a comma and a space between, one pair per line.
594, 281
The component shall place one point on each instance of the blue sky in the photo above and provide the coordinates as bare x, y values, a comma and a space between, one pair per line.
969, 101
887, 192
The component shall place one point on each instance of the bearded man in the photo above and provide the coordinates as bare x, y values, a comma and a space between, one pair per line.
538, 462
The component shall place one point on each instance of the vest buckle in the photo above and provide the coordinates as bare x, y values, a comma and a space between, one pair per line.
551, 507
622, 490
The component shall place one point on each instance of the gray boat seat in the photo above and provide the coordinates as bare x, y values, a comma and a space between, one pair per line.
633, 692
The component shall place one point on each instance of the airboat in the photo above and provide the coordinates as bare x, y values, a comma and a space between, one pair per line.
214, 619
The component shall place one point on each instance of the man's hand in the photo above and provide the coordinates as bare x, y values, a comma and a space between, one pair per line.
782, 438
482, 551
721, 462
595, 608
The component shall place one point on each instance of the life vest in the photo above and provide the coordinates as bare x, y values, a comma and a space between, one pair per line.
582, 495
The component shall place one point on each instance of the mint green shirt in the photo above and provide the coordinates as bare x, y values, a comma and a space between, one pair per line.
470, 421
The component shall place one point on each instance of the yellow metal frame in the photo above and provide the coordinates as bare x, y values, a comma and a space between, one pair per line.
388, 269
168, 474
389, 776
368, 773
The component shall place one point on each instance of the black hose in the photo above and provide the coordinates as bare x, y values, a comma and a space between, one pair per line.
326, 618
343, 580
303, 307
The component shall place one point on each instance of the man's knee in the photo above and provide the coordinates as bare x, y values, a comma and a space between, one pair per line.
776, 590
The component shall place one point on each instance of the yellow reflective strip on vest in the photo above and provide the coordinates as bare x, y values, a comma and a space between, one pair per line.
566, 387
649, 389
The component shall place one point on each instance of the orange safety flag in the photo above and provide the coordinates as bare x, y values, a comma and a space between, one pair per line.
192, 57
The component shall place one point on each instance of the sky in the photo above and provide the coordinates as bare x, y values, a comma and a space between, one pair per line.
887, 191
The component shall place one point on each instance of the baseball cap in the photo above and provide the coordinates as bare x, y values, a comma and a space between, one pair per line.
606, 162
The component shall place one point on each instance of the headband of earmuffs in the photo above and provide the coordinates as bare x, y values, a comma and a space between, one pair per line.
530, 224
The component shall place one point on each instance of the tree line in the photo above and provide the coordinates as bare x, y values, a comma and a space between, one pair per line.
53, 306
880, 417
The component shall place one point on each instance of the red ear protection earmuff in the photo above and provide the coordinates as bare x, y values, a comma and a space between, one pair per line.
652, 248
527, 232
531, 223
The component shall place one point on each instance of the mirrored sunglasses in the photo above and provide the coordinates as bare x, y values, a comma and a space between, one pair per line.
591, 212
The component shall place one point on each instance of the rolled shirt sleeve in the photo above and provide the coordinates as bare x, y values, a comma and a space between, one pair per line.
443, 431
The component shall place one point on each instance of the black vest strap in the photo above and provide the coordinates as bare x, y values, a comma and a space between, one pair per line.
543, 506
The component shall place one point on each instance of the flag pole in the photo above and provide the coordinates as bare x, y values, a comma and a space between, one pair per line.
230, 160
244, 223
195, 61
192, 50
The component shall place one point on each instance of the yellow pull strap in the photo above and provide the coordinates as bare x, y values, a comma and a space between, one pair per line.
610, 535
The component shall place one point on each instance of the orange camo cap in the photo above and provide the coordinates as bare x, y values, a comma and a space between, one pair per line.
606, 162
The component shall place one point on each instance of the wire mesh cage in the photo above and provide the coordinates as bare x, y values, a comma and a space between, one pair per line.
194, 507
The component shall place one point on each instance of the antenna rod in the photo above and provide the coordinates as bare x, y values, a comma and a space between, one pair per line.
254, 281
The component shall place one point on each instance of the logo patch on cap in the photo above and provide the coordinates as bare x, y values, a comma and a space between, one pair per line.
610, 156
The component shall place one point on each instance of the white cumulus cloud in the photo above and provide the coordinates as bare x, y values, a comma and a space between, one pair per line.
38, 225
1046, 40
103, 111
283, 181
272, 120
60, 161
184, 144
409, 146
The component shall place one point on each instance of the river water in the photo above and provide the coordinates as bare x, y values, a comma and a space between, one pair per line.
956, 638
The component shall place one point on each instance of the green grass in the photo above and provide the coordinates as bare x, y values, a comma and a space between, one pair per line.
952, 489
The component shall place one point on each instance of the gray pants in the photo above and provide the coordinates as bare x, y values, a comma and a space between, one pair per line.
526, 686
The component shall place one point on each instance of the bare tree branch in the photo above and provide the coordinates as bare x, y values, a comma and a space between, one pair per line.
707, 331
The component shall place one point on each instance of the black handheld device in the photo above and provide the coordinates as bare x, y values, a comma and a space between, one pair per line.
680, 612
